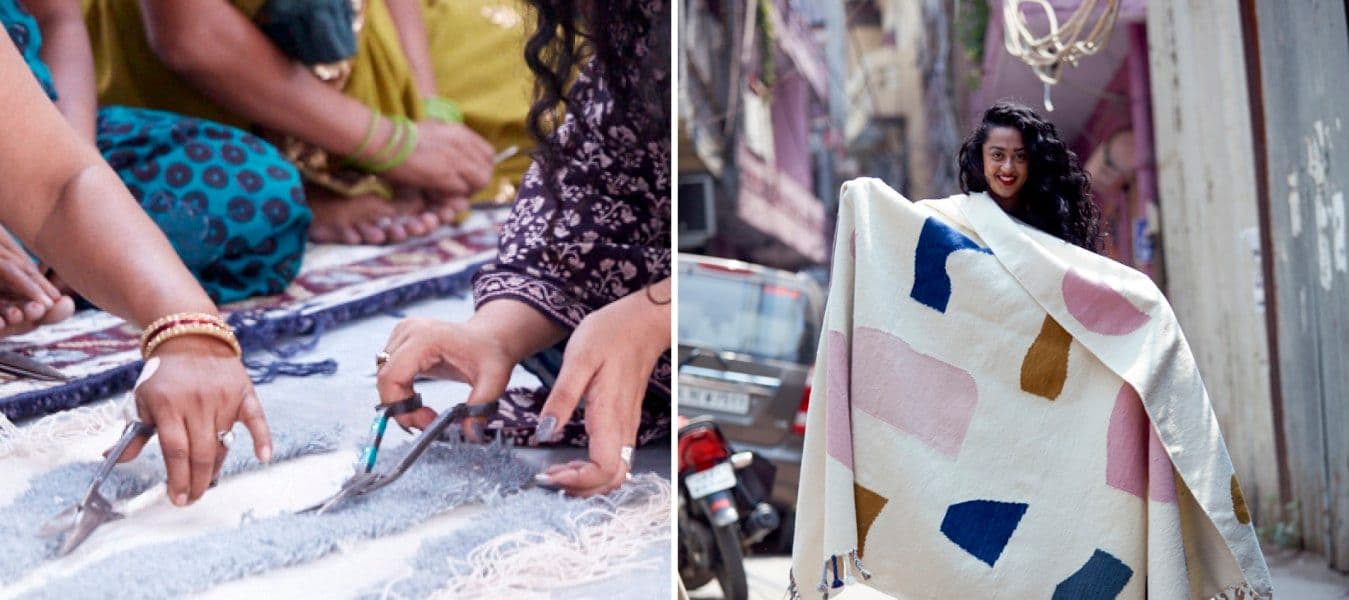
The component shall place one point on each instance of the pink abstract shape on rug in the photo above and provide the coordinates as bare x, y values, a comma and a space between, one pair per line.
1126, 458
913, 392
838, 408
1100, 308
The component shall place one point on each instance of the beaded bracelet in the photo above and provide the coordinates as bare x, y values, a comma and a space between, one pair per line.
180, 324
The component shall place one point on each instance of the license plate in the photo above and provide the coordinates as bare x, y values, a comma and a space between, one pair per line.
729, 402
705, 483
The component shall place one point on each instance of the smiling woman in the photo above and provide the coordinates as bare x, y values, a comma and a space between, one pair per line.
1018, 158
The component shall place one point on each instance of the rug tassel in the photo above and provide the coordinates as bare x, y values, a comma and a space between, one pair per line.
838, 583
857, 564
792, 592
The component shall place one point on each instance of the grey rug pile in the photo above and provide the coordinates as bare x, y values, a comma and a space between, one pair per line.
52, 492
445, 477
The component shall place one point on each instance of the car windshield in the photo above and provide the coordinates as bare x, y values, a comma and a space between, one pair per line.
733, 311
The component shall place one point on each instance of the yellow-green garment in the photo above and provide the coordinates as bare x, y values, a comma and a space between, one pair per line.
476, 47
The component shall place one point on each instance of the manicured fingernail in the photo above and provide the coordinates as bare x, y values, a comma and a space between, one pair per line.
544, 481
544, 432
266, 454
35, 306
180, 500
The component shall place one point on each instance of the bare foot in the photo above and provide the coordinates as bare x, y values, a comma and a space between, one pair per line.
448, 209
413, 220
343, 220
27, 298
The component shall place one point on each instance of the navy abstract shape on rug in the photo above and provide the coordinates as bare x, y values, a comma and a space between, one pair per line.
936, 243
1102, 578
982, 527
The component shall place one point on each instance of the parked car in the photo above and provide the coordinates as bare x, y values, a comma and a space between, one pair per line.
747, 339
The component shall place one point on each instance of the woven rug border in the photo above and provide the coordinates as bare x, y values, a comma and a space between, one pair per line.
257, 330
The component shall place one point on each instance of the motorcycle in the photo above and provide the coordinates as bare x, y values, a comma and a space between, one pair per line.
723, 508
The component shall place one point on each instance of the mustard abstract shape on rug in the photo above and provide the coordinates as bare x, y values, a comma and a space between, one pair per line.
1045, 368
869, 506
1239, 503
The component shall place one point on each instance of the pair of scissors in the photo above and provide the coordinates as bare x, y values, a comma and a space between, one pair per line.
366, 480
21, 366
80, 520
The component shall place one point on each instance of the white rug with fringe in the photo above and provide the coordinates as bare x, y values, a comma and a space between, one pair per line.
527, 545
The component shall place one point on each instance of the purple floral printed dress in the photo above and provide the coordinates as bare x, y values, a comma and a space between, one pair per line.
604, 236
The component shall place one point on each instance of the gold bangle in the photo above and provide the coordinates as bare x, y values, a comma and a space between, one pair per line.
153, 329
223, 334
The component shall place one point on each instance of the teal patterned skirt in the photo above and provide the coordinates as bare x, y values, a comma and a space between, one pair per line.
230, 204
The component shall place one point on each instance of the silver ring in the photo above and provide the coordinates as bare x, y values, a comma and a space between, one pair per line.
380, 359
625, 454
226, 437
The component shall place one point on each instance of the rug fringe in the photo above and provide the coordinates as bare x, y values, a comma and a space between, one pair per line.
837, 573
600, 543
50, 432
1241, 591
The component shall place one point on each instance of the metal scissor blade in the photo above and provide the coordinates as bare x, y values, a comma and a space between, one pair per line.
89, 516
61, 523
358, 484
80, 520
22, 366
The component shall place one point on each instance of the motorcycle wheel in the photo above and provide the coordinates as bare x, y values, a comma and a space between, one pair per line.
730, 565
697, 553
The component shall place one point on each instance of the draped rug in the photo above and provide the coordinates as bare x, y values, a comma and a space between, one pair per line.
997, 413
100, 352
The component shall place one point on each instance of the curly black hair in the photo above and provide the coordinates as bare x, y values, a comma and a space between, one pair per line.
610, 36
1056, 198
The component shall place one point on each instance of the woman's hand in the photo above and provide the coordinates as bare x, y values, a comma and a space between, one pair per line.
449, 159
462, 352
198, 390
608, 360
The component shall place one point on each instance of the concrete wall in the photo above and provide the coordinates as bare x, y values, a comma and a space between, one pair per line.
1305, 108
1210, 224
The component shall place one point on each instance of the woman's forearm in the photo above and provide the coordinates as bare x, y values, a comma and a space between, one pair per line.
85, 239
66, 50
222, 54
411, 25
70, 208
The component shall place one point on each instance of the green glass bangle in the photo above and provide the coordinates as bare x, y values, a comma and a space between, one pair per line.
409, 143
390, 148
355, 156
442, 109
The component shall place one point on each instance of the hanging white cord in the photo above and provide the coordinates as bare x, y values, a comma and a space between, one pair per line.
1048, 54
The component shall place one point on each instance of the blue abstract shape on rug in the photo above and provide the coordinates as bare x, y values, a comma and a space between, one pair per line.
982, 527
936, 243
1102, 578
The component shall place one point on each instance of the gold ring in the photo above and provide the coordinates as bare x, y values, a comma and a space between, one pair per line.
381, 359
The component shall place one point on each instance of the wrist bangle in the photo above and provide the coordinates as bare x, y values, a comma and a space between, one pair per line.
408, 143
223, 334
170, 326
369, 135
442, 109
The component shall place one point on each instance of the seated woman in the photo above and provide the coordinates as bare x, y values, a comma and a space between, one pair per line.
62, 201
580, 289
229, 203
382, 151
